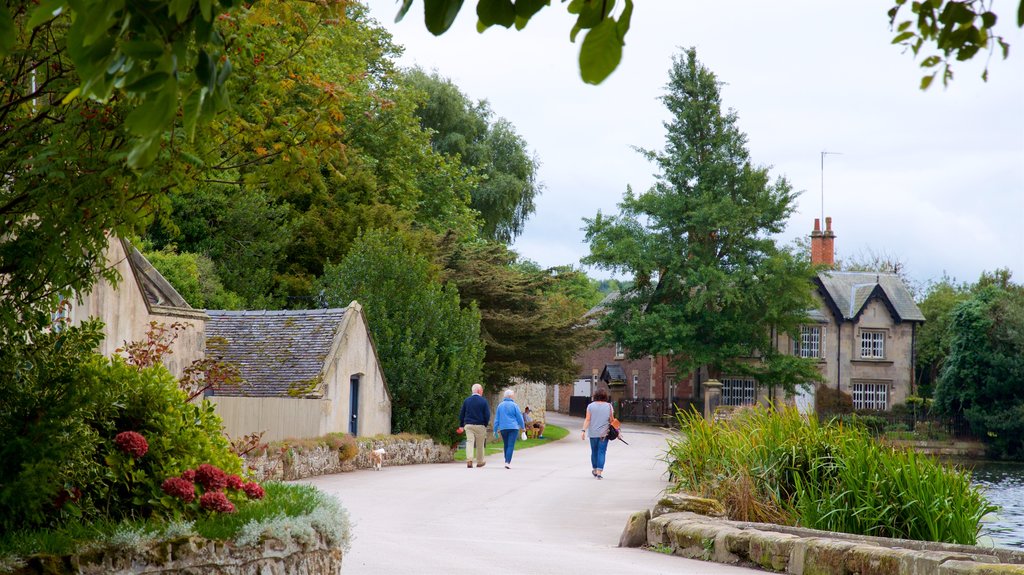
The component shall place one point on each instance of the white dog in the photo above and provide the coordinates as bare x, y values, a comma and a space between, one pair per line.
377, 456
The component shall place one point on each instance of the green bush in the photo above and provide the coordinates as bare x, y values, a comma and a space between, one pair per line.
63, 407
767, 465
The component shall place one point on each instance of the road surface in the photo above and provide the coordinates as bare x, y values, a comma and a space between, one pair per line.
546, 515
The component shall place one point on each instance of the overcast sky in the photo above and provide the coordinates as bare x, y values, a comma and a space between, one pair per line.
934, 179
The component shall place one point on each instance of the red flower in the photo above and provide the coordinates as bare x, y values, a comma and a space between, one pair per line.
189, 475
211, 477
234, 482
181, 488
131, 443
216, 501
253, 490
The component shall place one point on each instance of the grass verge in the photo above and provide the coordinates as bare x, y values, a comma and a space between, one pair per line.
551, 433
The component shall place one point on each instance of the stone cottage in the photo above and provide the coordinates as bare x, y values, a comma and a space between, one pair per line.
143, 296
307, 373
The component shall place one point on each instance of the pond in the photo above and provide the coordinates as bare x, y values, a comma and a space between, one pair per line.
1004, 486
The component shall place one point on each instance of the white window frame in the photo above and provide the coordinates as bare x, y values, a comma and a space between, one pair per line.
620, 351
636, 382
739, 391
811, 342
872, 344
871, 396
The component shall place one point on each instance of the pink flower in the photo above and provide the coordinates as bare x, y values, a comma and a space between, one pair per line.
253, 490
234, 482
216, 501
189, 475
211, 477
131, 443
181, 488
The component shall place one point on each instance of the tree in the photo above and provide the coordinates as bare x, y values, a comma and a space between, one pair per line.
933, 337
504, 173
429, 346
530, 321
983, 377
956, 28
710, 283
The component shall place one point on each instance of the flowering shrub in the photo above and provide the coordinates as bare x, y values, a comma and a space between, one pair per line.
181, 488
132, 443
234, 482
216, 501
211, 477
253, 490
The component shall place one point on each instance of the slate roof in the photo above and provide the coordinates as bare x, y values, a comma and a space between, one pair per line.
850, 292
159, 292
274, 350
613, 372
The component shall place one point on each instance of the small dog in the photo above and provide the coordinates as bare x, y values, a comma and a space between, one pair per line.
377, 456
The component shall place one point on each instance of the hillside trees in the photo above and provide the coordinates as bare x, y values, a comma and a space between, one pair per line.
983, 376
710, 283
531, 319
505, 182
429, 346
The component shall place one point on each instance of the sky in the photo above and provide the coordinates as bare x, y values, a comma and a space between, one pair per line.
932, 179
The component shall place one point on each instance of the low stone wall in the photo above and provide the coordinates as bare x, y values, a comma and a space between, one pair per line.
801, 551
197, 556
298, 464
973, 450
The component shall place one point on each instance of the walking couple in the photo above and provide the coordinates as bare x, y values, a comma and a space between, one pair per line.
474, 416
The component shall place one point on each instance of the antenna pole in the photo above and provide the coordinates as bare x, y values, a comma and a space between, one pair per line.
823, 154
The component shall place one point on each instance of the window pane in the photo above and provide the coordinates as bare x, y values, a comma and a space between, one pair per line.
739, 391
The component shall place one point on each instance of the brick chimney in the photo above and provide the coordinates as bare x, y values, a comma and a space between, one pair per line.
823, 249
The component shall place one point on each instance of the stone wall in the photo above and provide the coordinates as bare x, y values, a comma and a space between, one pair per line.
197, 556
529, 394
295, 463
674, 526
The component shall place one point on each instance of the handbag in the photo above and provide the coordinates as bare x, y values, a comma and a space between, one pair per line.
613, 428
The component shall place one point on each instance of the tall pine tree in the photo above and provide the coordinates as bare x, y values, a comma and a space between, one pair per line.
712, 286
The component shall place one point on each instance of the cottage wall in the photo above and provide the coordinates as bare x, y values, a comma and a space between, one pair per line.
126, 315
895, 369
277, 417
354, 356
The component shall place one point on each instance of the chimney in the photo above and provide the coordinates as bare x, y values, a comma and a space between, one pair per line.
823, 251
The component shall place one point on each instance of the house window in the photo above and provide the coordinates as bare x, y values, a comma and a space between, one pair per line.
872, 344
873, 396
811, 342
738, 391
636, 382
620, 352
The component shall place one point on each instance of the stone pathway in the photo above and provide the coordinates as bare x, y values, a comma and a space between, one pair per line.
545, 515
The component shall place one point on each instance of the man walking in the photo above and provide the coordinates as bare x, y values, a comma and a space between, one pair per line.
473, 417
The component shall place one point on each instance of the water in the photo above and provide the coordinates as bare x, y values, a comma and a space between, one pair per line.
1004, 486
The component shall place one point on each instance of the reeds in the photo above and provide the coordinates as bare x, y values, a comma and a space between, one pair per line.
775, 466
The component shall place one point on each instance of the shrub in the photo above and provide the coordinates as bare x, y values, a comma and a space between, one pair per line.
768, 465
89, 437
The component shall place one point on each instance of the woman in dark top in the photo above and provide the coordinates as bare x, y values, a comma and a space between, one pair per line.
599, 417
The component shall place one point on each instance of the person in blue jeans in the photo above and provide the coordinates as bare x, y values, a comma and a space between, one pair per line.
599, 418
508, 421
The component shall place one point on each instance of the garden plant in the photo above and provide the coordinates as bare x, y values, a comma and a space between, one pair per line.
775, 465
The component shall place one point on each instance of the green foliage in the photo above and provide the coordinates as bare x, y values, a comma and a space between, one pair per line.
530, 323
777, 466
983, 376
601, 49
956, 29
195, 278
710, 282
429, 346
504, 174
64, 405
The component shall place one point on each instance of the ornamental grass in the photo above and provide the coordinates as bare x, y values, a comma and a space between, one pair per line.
776, 466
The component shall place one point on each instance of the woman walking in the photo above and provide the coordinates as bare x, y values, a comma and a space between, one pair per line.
508, 421
599, 418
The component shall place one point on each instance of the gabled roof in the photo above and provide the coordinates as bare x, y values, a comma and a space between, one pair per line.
274, 350
613, 372
159, 294
847, 293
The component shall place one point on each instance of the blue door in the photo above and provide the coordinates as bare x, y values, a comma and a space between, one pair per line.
353, 393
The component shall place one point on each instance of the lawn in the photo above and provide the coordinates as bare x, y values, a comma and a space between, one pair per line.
551, 433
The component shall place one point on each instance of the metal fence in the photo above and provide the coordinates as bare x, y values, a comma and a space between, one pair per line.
910, 424
659, 411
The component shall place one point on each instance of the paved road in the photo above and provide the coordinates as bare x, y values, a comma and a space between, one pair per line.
545, 515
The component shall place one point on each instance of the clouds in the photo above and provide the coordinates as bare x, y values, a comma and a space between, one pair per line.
934, 178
